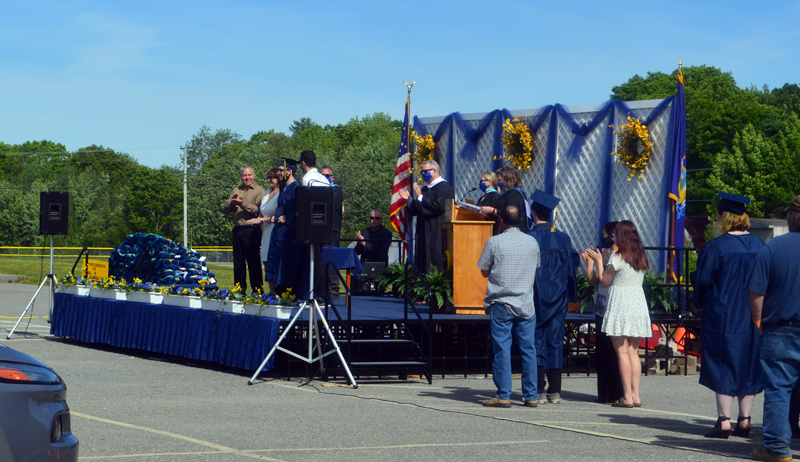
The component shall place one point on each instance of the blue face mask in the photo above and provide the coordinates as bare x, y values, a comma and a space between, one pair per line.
330, 180
427, 176
501, 186
483, 187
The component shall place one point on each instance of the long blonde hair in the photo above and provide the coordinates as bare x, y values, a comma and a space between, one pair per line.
727, 221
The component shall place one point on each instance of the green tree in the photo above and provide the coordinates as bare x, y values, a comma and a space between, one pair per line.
761, 169
155, 202
300, 125
19, 214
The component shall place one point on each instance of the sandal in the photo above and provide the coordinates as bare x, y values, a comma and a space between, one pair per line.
621, 403
717, 431
739, 431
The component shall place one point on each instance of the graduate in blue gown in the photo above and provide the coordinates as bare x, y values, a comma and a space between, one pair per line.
284, 258
730, 341
554, 287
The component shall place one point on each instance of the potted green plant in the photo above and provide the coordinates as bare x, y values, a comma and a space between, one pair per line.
585, 293
441, 289
393, 277
659, 297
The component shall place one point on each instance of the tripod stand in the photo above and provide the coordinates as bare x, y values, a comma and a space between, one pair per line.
50, 277
314, 312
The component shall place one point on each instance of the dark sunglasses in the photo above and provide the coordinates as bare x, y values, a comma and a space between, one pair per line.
327, 175
375, 218
428, 170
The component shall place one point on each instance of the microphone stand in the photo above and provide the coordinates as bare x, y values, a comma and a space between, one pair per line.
467, 193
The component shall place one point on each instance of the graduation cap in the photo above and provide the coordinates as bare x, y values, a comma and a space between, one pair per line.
290, 163
543, 203
732, 203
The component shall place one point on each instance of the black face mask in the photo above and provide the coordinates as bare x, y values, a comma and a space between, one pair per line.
607, 242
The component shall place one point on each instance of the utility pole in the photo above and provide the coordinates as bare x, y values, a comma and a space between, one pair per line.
185, 207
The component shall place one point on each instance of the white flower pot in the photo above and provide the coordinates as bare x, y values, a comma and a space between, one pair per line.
212, 305
81, 291
230, 306
146, 297
185, 301
277, 311
108, 294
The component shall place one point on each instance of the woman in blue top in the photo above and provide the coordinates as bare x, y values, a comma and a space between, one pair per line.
730, 343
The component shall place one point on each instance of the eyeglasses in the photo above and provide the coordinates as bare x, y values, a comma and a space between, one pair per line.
428, 170
328, 175
375, 218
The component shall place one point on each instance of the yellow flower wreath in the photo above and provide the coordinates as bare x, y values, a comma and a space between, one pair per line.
518, 143
634, 147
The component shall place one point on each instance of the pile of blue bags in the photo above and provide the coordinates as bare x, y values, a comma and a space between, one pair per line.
160, 261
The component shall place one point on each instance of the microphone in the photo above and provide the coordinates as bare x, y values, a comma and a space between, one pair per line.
467, 193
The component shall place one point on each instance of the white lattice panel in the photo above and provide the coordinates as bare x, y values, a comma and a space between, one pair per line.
578, 184
641, 200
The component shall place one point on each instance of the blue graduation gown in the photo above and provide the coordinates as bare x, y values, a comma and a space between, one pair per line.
555, 286
283, 259
730, 342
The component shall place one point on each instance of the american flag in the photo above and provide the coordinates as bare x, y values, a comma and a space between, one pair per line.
402, 178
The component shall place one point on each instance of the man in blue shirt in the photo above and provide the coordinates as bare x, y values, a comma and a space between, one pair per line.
775, 302
510, 260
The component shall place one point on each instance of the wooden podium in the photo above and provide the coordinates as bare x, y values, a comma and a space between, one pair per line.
465, 235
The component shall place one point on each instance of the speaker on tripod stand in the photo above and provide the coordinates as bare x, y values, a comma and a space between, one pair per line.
53, 213
314, 226
53, 219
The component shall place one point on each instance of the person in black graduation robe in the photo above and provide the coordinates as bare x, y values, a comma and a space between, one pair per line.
428, 205
555, 285
730, 344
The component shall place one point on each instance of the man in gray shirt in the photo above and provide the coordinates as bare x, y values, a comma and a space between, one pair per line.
510, 260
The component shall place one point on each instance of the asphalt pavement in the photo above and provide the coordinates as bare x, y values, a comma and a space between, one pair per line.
131, 406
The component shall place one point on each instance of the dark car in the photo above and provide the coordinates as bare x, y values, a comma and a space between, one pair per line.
34, 416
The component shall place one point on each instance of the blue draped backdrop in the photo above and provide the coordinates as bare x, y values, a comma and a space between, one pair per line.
234, 340
495, 119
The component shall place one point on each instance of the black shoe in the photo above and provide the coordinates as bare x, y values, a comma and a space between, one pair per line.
739, 431
717, 431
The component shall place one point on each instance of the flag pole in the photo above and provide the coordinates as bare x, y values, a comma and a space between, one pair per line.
409, 219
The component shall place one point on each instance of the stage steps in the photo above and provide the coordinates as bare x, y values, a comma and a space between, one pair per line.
367, 355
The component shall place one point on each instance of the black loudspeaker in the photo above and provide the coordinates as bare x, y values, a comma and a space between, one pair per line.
53, 212
314, 219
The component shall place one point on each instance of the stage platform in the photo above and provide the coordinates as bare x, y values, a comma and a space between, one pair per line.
459, 344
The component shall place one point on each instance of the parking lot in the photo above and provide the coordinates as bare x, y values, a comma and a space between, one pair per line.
131, 406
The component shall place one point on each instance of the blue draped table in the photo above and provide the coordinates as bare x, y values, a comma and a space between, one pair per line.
234, 340
342, 257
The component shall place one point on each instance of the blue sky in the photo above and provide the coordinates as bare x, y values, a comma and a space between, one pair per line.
142, 77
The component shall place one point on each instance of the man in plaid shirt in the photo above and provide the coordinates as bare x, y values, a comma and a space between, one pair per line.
510, 260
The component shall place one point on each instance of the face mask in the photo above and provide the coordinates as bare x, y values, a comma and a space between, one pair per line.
607, 242
483, 187
501, 186
330, 180
427, 176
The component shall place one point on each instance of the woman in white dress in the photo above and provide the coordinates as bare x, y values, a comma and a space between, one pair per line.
268, 205
627, 316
